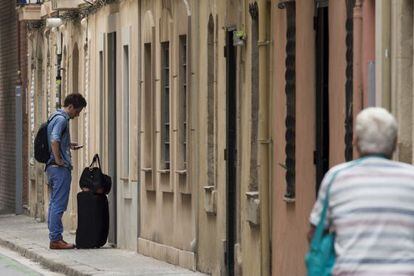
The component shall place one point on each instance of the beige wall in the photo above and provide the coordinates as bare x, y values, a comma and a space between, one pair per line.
87, 129
248, 259
402, 74
167, 200
173, 203
120, 18
36, 117
211, 226
74, 70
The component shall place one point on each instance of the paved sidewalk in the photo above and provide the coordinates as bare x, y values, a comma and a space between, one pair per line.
30, 238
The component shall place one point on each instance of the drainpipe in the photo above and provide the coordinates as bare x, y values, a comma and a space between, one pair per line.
58, 71
19, 70
140, 58
194, 134
55, 24
368, 52
263, 136
357, 74
19, 131
358, 83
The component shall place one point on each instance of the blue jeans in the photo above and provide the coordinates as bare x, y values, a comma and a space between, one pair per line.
59, 183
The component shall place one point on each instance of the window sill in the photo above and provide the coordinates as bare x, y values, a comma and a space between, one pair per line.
181, 171
166, 171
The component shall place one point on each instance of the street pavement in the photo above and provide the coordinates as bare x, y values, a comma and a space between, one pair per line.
13, 264
10, 267
30, 238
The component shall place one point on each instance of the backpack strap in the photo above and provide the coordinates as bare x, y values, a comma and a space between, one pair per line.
64, 130
53, 116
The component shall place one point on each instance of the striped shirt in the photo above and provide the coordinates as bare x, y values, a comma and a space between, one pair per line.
371, 211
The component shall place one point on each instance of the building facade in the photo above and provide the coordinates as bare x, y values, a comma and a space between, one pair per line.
215, 119
13, 114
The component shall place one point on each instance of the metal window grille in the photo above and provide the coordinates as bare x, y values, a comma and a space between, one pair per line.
183, 98
165, 104
148, 105
254, 13
290, 90
210, 103
125, 108
349, 80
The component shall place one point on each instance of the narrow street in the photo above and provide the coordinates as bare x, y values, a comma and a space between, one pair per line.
30, 238
215, 123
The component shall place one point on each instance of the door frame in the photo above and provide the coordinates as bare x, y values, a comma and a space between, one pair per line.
321, 154
231, 149
112, 131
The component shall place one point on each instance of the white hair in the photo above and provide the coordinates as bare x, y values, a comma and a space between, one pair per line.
376, 131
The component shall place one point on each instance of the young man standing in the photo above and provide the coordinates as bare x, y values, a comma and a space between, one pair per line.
59, 166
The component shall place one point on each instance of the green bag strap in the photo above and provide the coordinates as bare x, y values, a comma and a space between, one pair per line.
317, 237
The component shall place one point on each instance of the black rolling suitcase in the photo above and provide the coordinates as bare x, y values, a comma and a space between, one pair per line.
93, 220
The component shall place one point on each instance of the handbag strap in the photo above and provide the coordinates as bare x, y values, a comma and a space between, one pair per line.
96, 159
317, 237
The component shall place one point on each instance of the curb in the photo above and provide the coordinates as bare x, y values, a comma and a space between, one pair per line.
51, 265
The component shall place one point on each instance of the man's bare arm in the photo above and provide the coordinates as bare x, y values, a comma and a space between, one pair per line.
56, 153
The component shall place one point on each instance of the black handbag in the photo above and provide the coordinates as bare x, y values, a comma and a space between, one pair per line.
93, 179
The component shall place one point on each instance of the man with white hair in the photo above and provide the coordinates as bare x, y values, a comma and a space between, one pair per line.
370, 203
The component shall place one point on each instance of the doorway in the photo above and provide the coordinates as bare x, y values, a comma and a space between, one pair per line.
321, 155
112, 133
231, 145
